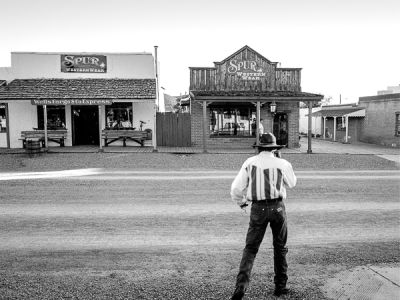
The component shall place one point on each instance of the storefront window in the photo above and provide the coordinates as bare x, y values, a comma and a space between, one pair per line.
341, 123
397, 129
228, 121
3, 118
55, 117
119, 116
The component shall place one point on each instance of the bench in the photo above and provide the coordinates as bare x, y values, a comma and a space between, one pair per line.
57, 136
110, 136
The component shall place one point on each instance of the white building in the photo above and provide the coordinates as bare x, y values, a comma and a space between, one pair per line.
390, 90
303, 121
82, 93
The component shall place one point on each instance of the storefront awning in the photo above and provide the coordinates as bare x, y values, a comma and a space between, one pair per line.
249, 96
78, 89
349, 112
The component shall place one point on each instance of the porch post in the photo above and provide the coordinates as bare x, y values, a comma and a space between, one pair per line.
100, 127
324, 127
258, 124
204, 126
7, 126
347, 128
154, 135
45, 125
309, 126
334, 129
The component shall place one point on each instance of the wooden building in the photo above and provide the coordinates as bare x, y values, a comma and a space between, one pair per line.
242, 96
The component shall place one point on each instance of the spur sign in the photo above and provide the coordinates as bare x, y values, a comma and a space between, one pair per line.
245, 69
83, 63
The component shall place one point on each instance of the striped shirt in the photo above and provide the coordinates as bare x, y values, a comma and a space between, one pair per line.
262, 177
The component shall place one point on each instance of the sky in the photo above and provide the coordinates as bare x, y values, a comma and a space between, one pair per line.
347, 48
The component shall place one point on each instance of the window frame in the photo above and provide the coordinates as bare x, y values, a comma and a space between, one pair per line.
229, 121
3, 117
51, 112
397, 123
341, 126
122, 113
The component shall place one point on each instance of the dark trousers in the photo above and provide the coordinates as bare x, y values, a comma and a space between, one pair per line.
261, 214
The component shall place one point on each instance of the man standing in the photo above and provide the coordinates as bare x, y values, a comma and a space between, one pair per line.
262, 180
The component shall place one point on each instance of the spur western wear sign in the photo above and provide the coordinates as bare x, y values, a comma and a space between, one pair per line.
246, 69
72, 63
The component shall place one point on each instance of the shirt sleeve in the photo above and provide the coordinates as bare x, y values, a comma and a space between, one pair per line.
239, 186
289, 177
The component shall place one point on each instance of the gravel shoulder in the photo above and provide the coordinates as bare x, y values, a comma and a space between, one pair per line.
176, 273
166, 161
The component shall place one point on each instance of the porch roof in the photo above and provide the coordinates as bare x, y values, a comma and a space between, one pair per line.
251, 96
356, 112
20, 89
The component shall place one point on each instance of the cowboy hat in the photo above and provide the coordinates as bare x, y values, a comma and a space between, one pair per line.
268, 140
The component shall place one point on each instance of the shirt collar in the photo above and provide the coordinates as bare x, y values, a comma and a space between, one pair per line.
266, 153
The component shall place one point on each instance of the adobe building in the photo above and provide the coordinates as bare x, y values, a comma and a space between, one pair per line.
242, 96
374, 119
341, 122
79, 94
382, 119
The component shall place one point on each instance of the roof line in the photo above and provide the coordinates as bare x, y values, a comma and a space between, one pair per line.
83, 53
240, 50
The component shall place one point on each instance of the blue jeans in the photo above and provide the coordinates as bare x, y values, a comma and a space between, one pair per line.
261, 214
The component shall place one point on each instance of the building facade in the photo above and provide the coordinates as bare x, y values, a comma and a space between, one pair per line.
341, 122
382, 119
242, 96
80, 93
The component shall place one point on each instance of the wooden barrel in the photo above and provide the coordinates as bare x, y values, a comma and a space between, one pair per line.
33, 147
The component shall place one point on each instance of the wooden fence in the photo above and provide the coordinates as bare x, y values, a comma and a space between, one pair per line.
173, 129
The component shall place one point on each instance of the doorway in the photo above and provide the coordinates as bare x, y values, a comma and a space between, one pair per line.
85, 125
281, 128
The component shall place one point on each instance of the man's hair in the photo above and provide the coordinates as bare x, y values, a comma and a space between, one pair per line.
265, 149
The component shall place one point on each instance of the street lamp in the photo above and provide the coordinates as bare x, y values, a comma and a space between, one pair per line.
272, 107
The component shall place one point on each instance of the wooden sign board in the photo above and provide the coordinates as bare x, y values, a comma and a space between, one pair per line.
71, 102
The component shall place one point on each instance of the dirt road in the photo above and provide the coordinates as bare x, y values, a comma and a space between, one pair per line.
153, 234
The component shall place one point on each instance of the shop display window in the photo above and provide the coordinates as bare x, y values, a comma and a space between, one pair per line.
232, 121
340, 124
397, 129
3, 117
55, 117
119, 116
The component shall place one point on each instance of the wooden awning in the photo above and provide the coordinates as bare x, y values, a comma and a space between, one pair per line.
355, 112
253, 96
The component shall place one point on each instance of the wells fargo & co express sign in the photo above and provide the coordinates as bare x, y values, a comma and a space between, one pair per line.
71, 63
72, 102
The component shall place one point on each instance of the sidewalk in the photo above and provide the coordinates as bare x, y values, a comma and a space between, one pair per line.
381, 282
318, 146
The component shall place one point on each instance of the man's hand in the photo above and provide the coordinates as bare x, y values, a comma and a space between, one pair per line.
277, 153
243, 207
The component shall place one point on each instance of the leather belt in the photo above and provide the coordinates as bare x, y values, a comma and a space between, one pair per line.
268, 201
